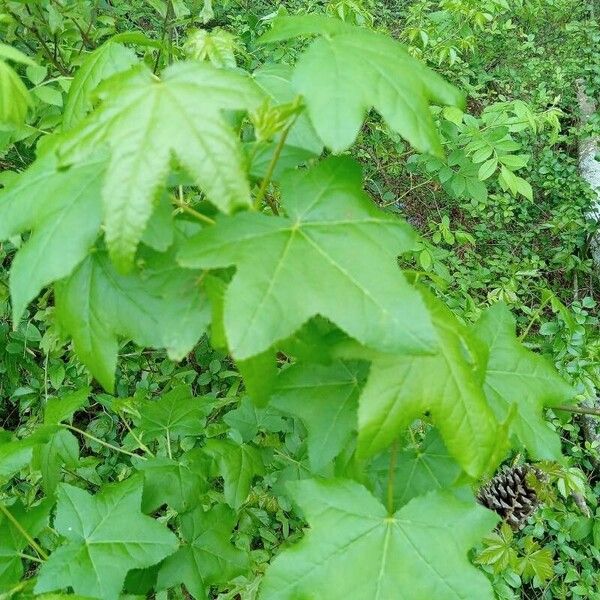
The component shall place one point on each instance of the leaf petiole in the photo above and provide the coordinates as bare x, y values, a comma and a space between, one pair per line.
23, 532
102, 442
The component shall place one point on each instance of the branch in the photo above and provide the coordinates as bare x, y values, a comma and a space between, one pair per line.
580, 410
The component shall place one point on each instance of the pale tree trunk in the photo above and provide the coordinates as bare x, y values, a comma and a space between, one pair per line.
589, 169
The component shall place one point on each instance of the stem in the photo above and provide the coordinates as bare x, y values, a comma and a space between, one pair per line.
29, 557
136, 438
198, 215
169, 452
267, 179
101, 442
165, 27
535, 315
22, 531
580, 410
49, 54
391, 473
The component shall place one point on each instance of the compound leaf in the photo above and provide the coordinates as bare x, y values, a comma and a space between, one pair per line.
144, 120
354, 549
106, 536
351, 69
519, 380
207, 556
318, 260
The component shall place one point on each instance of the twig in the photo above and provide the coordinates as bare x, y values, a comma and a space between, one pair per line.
580, 410
49, 54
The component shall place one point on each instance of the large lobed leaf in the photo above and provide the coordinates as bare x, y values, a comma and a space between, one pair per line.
62, 210
160, 307
402, 387
145, 120
107, 536
108, 59
176, 414
519, 380
334, 254
325, 398
207, 557
349, 69
354, 549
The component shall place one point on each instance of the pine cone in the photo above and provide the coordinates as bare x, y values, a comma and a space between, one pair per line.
509, 494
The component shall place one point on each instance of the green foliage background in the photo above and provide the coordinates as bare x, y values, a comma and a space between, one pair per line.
167, 474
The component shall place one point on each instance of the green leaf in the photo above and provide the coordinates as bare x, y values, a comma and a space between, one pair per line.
333, 234
106, 536
108, 59
482, 154
12, 542
238, 464
419, 470
351, 69
537, 563
207, 557
524, 188
516, 377
216, 46
176, 414
487, 169
248, 419
354, 549
508, 180
61, 449
49, 95
144, 121
160, 306
17, 454
325, 398
177, 483
515, 161
14, 97
302, 141
401, 388
62, 209
62, 408
36, 73
498, 551
259, 373
160, 230
10, 53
